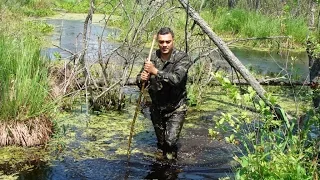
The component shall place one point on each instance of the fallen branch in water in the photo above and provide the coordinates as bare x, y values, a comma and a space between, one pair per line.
258, 38
266, 82
105, 91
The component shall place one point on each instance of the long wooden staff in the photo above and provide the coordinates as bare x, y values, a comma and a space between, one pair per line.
138, 102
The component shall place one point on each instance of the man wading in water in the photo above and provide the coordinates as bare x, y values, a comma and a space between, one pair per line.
166, 77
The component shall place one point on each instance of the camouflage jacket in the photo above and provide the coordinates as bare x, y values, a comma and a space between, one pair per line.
167, 89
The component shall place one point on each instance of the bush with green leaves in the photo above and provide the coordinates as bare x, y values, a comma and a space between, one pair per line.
271, 148
35, 8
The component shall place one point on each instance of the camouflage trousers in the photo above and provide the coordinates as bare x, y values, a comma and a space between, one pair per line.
167, 126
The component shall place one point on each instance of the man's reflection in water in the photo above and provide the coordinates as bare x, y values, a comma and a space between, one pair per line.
163, 171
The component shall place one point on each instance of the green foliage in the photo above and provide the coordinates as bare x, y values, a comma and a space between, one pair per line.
200, 78
24, 88
193, 91
260, 26
36, 8
272, 148
76, 6
73, 6
297, 28
282, 165
230, 21
38, 27
314, 44
42, 12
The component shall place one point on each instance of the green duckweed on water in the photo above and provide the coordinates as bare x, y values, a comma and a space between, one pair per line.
81, 137
93, 136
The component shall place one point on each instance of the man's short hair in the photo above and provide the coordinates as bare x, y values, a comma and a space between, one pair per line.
165, 30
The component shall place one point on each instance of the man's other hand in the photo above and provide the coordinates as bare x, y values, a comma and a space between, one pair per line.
149, 67
145, 76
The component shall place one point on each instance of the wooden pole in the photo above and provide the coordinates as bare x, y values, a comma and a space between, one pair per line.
138, 102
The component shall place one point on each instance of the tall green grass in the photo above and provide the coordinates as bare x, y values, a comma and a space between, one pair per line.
75, 6
24, 91
243, 23
35, 8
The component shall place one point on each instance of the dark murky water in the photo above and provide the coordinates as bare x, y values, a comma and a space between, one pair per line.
200, 157
293, 63
105, 169
90, 151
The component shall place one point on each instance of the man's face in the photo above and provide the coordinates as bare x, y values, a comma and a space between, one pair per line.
165, 43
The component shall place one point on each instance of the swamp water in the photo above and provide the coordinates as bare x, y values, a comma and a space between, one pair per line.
95, 146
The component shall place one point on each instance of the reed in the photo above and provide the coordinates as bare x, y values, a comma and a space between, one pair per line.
24, 90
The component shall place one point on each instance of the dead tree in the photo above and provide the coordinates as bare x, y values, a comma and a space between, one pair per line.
313, 7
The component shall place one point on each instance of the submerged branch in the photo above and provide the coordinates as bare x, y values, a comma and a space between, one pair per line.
258, 38
109, 88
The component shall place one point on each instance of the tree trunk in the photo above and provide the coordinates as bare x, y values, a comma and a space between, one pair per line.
87, 23
313, 7
257, 5
232, 4
297, 13
226, 52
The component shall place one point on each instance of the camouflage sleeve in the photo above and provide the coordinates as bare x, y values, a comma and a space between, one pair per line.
179, 72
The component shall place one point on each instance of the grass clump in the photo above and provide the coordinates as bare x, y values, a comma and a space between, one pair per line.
24, 84
25, 102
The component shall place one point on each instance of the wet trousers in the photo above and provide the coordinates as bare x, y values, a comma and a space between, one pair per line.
167, 126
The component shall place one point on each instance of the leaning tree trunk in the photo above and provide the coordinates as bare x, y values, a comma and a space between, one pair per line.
226, 52
314, 67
